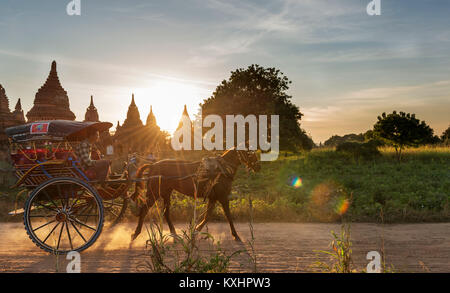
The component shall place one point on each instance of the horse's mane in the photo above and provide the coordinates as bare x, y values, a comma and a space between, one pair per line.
227, 151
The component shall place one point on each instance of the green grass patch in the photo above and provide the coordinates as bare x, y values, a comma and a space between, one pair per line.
414, 190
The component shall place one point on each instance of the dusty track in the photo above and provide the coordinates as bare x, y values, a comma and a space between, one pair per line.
280, 247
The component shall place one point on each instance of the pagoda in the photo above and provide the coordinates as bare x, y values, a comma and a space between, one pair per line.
18, 115
133, 117
185, 114
180, 125
5, 113
118, 126
51, 101
8, 119
128, 136
91, 112
151, 119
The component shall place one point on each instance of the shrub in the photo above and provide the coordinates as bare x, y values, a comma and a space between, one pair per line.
366, 150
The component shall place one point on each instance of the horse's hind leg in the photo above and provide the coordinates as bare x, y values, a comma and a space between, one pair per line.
209, 211
167, 212
143, 212
226, 210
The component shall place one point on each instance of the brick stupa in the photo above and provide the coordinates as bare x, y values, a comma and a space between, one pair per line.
8, 118
133, 117
51, 101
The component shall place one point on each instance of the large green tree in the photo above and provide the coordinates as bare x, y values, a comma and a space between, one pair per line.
260, 91
401, 129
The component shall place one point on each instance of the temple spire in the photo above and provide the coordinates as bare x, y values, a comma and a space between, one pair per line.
91, 112
4, 101
133, 117
18, 113
185, 113
53, 69
18, 105
8, 118
151, 119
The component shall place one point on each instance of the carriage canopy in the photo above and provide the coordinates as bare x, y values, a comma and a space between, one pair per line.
55, 130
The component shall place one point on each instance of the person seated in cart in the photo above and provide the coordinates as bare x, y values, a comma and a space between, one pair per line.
84, 150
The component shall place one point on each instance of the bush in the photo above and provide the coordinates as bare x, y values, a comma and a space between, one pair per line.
366, 150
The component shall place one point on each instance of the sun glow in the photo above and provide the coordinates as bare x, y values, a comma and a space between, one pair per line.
167, 98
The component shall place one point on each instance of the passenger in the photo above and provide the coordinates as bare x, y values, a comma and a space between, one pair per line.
83, 152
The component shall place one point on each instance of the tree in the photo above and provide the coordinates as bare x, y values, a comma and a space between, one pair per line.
260, 91
445, 137
401, 129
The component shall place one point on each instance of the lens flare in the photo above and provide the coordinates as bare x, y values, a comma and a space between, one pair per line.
296, 182
342, 206
329, 201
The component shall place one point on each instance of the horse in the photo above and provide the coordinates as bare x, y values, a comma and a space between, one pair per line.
185, 182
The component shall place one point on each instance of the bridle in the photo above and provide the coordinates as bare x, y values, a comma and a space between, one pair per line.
244, 158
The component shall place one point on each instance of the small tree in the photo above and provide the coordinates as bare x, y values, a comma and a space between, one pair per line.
401, 129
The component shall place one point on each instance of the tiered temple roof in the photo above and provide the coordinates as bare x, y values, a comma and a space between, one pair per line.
8, 119
133, 117
51, 101
4, 102
91, 112
18, 113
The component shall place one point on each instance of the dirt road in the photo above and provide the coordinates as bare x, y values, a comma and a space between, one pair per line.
280, 247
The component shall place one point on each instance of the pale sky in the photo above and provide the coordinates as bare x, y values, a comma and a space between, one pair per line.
346, 67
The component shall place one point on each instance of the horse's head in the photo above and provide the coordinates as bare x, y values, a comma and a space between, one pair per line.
249, 159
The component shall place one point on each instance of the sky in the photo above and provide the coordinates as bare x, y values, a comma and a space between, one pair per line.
346, 67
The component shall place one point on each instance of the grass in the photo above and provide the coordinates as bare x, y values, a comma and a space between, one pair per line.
340, 254
414, 190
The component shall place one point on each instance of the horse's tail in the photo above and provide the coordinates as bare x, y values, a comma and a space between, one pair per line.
140, 184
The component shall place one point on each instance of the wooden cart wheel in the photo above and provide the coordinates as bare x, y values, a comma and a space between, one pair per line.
63, 215
115, 201
115, 210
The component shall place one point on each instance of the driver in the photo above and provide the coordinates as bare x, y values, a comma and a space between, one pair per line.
83, 152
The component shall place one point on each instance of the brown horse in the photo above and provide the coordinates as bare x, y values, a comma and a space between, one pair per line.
186, 183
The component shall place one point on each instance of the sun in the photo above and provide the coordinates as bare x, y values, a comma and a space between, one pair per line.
167, 98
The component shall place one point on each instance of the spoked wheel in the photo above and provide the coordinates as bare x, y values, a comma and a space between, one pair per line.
115, 201
63, 214
115, 210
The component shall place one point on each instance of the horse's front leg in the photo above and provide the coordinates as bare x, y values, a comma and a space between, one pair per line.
226, 209
209, 211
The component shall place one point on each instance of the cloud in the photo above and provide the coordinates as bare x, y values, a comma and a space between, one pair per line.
245, 27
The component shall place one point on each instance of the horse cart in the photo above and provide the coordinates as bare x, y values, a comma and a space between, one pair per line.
66, 207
